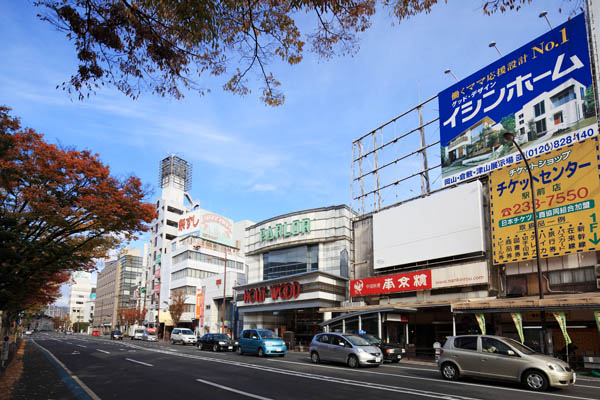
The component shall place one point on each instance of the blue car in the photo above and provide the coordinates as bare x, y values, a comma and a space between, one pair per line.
262, 342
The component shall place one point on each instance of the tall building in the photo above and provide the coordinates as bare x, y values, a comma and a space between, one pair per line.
117, 286
81, 289
175, 179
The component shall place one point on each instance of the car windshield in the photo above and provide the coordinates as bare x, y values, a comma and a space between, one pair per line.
371, 339
139, 331
521, 347
267, 335
357, 340
221, 337
117, 332
186, 332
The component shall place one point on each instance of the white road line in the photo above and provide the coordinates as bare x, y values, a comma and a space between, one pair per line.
416, 369
68, 343
139, 362
233, 390
80, 345
103, 351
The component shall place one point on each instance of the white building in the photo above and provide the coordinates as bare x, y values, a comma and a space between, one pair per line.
81, 289
550, 112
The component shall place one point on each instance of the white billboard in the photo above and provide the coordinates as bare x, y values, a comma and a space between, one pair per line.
445, 224
206, 225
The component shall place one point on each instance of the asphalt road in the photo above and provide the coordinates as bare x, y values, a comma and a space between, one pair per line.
133, 369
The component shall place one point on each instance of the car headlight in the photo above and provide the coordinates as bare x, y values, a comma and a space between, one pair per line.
556, 367
222, 343
236, 343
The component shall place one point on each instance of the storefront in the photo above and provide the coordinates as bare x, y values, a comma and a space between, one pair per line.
297, 264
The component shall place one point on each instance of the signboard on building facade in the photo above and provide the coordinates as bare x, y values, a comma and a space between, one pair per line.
567, 192
438, 278
541, 92
283, 291
208, 226
200, 306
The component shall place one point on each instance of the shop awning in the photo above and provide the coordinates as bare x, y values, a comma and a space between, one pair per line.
283, 306
370, 311
395, 306
532, 303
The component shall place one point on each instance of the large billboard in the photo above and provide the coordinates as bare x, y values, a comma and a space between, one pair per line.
542, 92
567, 192
207, 225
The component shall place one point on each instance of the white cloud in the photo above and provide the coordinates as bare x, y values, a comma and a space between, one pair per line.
263, 187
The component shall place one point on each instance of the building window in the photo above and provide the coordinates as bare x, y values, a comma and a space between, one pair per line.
540, 126
290, 261
187, 290
174, 210
172, 223
191, 273
539, 108
558, 118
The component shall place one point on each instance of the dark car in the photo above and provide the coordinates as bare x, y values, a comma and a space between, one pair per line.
391, 351
116, 335
216, 342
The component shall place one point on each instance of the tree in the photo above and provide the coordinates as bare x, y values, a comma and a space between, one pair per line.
177, 306
165, 45
59, 209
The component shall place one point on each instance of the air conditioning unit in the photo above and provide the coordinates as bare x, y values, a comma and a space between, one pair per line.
597, 283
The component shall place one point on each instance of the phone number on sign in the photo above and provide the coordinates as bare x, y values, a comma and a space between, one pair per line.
560, 142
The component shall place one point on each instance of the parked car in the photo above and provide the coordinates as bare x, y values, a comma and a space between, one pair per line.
68, 332
216, 342
183, 336
500, 358
391, 351
149, 336
138, 334
95, 332
261, 342
346, 348
29, 332
116, 335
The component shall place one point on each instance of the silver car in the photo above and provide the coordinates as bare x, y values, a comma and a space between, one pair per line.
500, 358
345, 348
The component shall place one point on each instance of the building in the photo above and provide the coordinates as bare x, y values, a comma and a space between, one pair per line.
80, 292
175, 179
196, 261
297, 263
116, 287
551, 112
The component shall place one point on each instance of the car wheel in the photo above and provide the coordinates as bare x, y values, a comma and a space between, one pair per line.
215, 348
353, 361
172, 341
282, 355
536, 380
396, 361
449, 371
239, 350
314, 357
261, 352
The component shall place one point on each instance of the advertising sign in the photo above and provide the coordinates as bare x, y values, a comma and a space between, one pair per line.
200, 306
518, 320
208, 226
283, 291
562, 323
462, 275
542, 92
567, 191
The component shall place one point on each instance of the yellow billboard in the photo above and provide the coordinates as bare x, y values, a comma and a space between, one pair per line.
567, 190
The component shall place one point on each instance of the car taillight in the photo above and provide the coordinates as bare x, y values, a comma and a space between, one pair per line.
387, 351
441, 351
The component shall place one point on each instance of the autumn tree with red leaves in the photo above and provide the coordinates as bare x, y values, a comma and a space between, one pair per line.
177, 306
59, 210
165, 45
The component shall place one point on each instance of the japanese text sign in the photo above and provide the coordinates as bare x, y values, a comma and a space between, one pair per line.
567, 190
410, 281
207, 226
540, 91
200, 306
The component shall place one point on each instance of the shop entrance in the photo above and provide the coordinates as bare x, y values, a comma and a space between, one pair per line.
304, 323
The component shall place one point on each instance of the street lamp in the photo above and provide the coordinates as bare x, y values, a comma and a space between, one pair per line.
493, 44
449, 71
510, 137
544, 14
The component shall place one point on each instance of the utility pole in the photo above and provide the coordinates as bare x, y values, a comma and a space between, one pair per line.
224, 293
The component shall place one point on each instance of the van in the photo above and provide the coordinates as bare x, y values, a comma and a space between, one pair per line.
262, 342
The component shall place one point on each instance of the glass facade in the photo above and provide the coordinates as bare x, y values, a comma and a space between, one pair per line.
197, 256
191, 273
290, 261
131, 273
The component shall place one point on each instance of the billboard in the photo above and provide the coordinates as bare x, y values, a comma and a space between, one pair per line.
542, 92
206, 225
200, 306
435, 232
567, 192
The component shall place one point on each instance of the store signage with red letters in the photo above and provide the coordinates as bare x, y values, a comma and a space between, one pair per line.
410, 281
283, 291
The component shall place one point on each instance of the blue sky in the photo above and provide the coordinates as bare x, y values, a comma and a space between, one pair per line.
252, 161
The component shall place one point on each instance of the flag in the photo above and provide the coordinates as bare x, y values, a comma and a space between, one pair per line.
562, 322
518, 320
481, 321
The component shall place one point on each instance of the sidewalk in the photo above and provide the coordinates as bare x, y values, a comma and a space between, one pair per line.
39, 378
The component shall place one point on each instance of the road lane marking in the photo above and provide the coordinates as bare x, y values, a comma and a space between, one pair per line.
67, 376
103, 351
80, 345
139, 362
254, 396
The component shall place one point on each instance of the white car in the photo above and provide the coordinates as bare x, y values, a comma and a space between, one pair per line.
138, 334
183, 336
29, 332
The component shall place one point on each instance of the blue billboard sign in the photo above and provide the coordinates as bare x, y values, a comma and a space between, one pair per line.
542, 92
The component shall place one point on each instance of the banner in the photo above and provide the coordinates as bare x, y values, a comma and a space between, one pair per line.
200, 306
562, 322
481, 321
597, 316
567, 190
518, 320
542, 92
